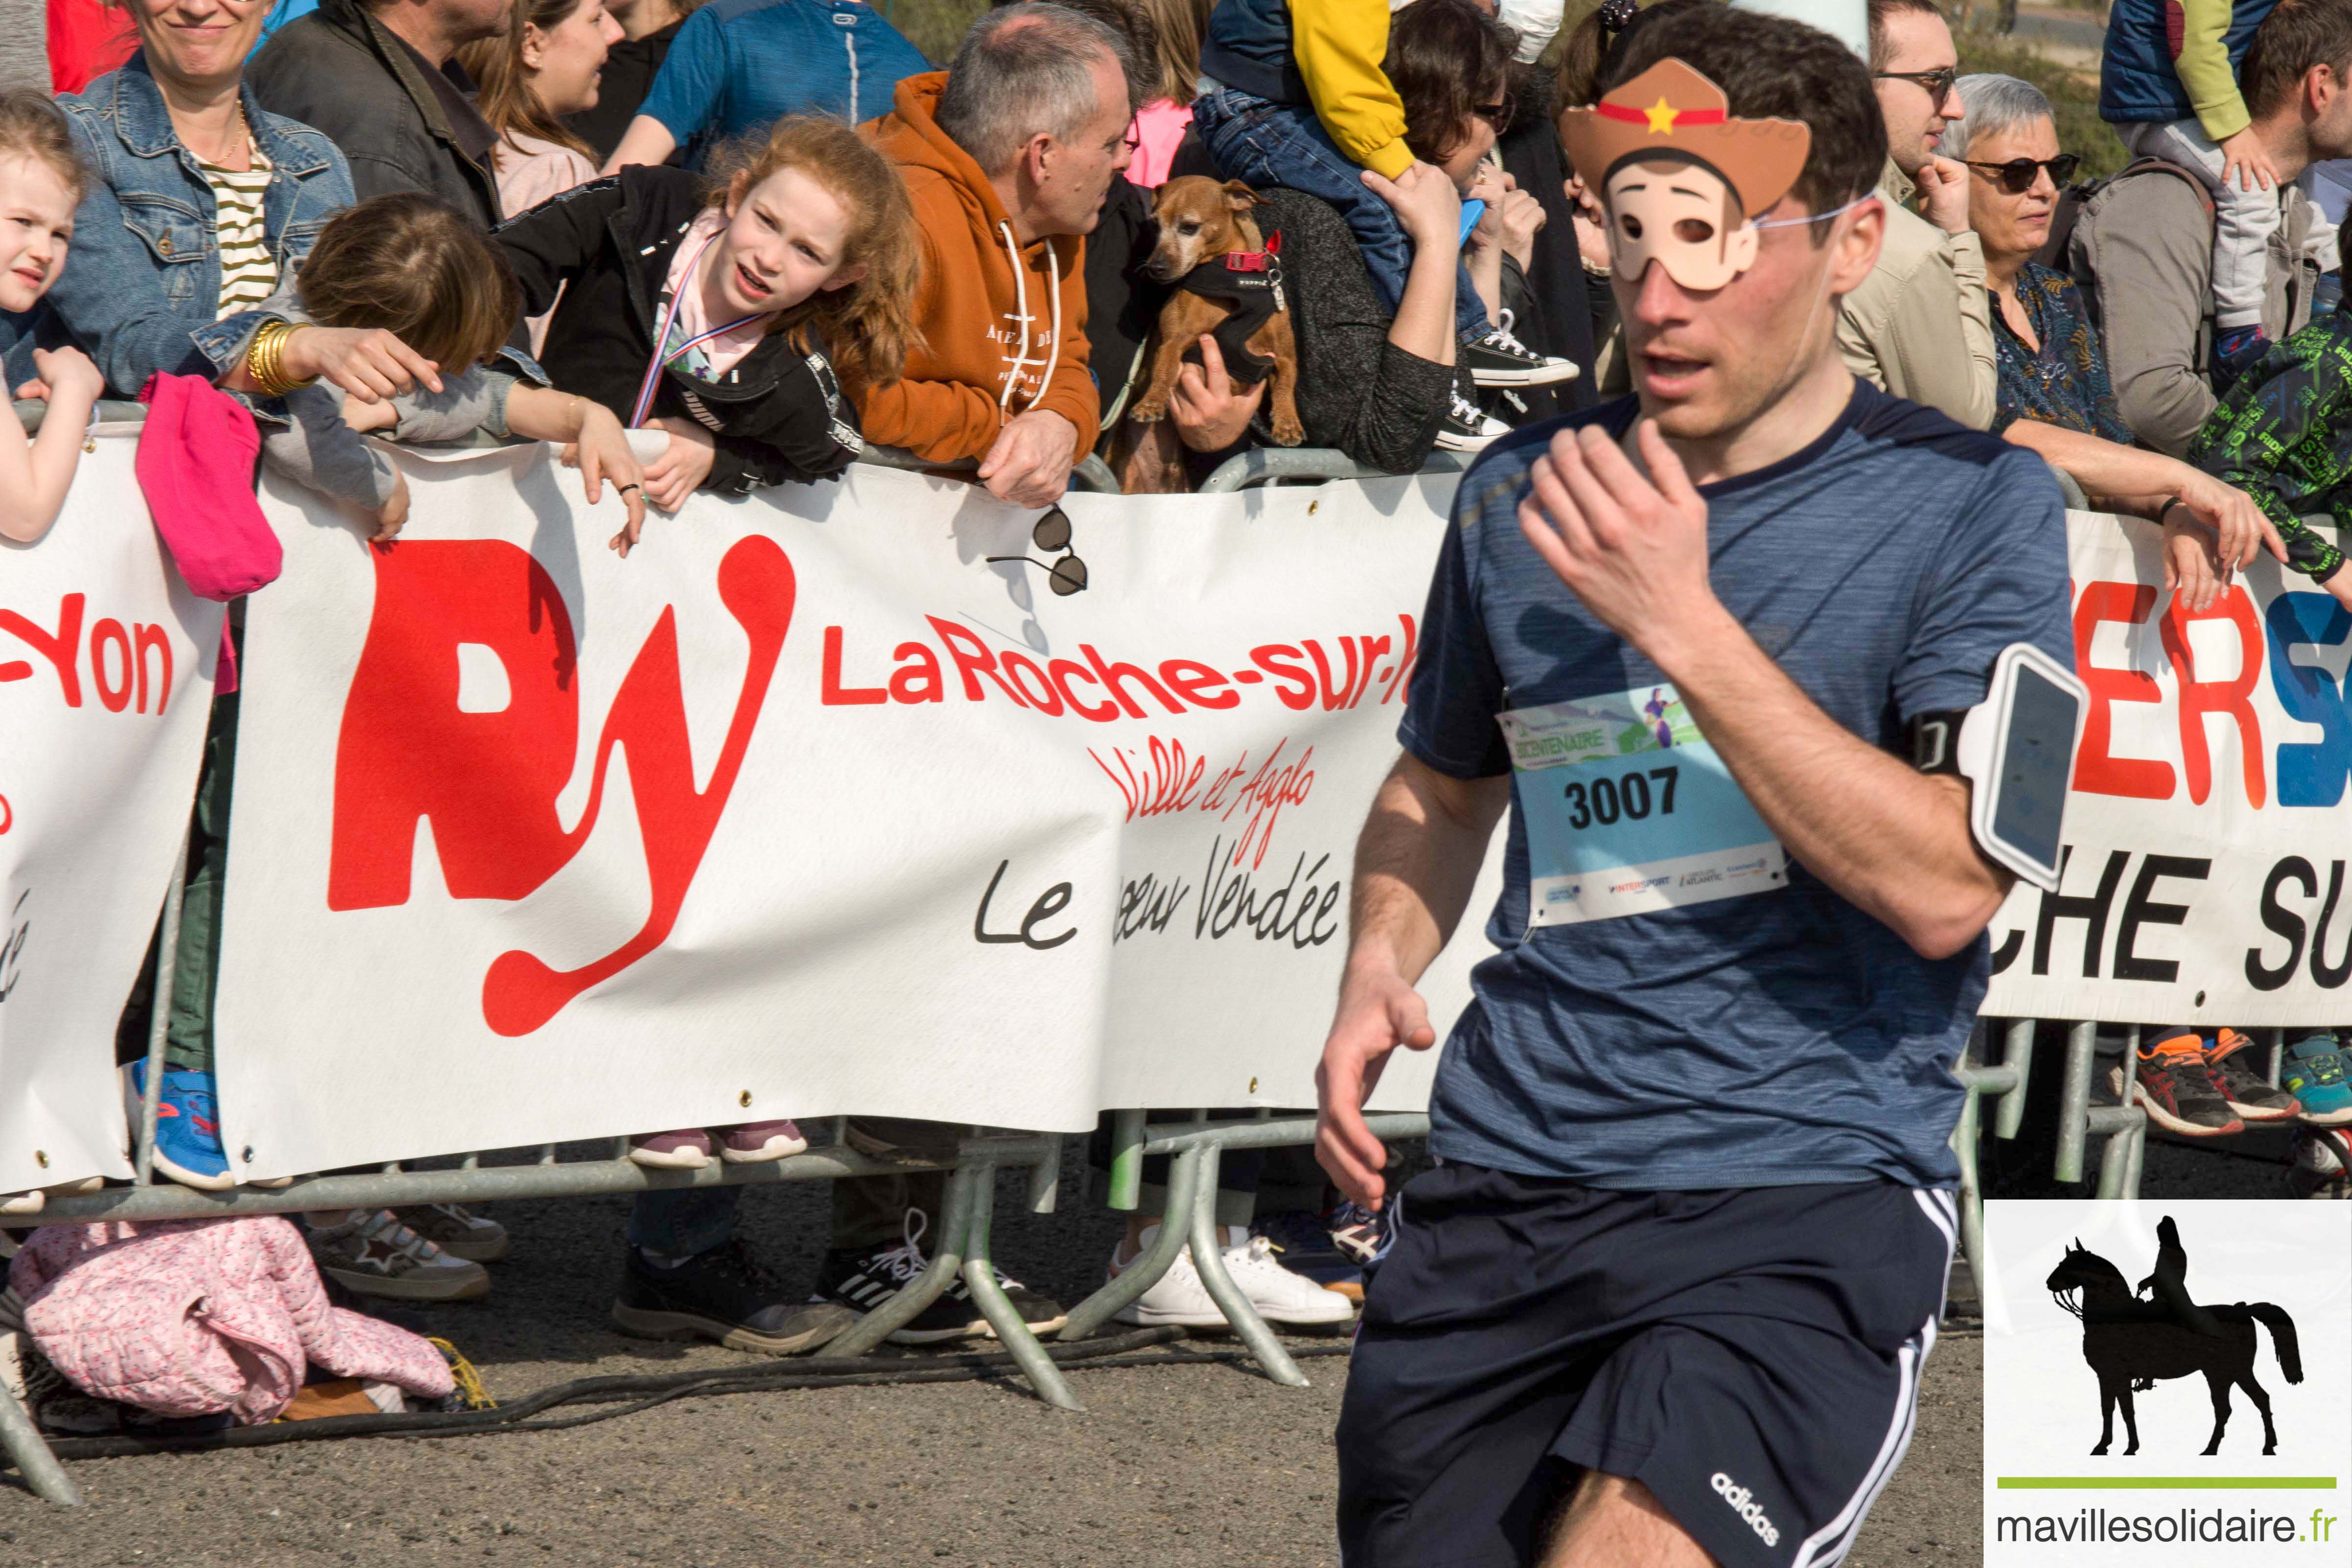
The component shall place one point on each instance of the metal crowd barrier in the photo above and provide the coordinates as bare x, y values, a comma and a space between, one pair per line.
1089, 475
1312, 465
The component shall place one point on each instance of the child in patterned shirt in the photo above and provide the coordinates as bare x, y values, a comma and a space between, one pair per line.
2284, 435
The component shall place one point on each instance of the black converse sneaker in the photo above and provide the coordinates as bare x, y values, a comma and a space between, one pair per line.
1500, 359
1465, 428
863, 1281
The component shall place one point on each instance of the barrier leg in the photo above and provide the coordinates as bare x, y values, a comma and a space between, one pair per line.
1045, 1177
2017, 1051
2135, 1158
33, 1459
159, 1026
980, 1279
926, 1288
2075, 1102
1142, 1275
1208, 1258
1126, 1160
1971, 1204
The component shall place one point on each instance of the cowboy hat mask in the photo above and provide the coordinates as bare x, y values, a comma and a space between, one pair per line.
1679, 175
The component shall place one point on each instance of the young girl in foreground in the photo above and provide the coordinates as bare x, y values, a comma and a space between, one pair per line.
41, 184
412, 266
718, 312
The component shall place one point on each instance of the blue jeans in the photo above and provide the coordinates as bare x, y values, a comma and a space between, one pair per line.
1264, 143
680, 1222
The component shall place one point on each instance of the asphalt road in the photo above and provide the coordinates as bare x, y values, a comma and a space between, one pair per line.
1172, 1466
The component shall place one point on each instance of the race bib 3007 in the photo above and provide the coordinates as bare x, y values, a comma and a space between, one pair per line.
1629, 809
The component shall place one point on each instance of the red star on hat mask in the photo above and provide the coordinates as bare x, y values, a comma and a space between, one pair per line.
1679, 176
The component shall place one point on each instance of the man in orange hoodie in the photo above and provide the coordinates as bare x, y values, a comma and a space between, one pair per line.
1008, 155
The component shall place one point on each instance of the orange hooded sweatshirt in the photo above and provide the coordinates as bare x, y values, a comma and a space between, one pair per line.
1005, 327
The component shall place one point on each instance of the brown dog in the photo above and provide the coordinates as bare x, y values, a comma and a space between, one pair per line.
1200, 221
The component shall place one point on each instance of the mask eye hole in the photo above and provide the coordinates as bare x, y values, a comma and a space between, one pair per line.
1694, 231
1630, 224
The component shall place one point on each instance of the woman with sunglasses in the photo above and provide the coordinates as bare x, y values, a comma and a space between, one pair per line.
2054, 395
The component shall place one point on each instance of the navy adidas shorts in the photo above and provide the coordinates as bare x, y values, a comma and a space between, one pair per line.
1751, 1356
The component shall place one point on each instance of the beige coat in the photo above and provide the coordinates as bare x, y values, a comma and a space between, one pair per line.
1920, 325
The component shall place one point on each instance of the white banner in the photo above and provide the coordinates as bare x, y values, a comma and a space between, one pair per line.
816, 804
2209, 830
106, 678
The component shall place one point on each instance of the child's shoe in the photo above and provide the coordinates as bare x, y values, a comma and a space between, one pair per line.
688, 1149
756, 1143
187, 1126
2313, 1071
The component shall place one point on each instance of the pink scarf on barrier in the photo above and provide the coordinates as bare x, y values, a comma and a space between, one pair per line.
196, 457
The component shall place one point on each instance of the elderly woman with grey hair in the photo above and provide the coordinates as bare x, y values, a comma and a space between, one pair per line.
2054, 394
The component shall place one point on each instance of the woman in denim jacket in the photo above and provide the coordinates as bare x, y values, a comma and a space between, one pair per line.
201, 203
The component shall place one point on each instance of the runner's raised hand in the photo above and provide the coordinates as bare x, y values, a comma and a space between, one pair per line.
1632, 546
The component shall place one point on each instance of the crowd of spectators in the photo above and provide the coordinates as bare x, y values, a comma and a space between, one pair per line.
772, 231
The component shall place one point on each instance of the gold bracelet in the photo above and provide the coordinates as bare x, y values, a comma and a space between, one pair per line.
261, 359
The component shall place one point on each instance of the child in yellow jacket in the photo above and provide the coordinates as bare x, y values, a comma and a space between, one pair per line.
1292, 94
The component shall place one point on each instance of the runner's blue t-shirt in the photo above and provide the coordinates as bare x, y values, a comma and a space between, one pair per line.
739, 65
1714, 1016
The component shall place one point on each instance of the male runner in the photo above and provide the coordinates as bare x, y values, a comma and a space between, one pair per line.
1665, 1300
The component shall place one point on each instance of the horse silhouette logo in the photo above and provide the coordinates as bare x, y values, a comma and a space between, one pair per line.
2132, 1344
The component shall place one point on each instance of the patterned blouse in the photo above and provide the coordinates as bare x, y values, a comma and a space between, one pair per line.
2064, 382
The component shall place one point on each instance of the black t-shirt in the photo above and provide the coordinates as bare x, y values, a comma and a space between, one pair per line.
629, 72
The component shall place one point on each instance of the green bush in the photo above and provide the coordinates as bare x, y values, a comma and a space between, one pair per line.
934, 26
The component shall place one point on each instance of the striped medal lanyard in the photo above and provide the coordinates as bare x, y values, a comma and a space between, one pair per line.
669, 317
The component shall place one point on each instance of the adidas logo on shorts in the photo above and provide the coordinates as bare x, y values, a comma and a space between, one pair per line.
1743, 1503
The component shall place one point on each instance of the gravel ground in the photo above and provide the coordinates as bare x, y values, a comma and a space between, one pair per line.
1177, 1466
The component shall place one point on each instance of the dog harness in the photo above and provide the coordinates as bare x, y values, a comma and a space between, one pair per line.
1250, 283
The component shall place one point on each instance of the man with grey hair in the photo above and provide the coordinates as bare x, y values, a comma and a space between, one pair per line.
1007, 155
1921, 325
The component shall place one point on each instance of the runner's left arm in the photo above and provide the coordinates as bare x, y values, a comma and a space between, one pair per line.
1889, 840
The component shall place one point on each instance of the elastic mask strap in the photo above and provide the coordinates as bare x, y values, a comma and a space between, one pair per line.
1816, 217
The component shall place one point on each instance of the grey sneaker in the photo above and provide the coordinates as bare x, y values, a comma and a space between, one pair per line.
456, 1230
372, 1254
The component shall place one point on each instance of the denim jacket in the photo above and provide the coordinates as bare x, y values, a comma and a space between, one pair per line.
141, 281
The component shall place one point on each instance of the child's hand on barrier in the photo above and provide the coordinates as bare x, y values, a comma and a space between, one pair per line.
601, 452
1428, 207
67, 373
2189, 572
679, 472
392, 516
2238, 523
2246, 160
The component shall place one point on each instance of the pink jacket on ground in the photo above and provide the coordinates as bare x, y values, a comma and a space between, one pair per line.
191, 1317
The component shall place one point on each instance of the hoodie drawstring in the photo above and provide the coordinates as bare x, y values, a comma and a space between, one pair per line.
1021, 307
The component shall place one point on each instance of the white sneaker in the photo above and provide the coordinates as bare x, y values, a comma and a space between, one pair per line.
372, 1254
1180, 1298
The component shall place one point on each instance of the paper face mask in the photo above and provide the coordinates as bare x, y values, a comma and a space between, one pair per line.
1681, 216
1679, 178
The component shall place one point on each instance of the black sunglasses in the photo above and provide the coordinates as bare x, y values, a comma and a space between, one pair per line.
1497, 115
2017, 175
1052, 535
1938, 81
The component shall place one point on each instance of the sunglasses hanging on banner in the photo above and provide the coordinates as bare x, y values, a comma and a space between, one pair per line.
1052, 535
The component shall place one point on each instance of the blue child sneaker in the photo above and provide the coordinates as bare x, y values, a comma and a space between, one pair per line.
187, 1126
2313, 1071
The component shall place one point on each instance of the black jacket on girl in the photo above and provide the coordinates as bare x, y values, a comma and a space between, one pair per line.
778, 414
